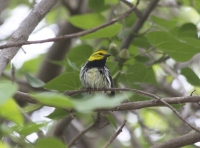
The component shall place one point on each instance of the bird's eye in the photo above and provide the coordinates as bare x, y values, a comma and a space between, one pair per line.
101, 54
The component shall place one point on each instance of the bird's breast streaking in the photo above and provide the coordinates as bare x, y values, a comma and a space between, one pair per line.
97, 78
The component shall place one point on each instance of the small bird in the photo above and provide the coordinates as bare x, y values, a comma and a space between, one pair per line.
95, 74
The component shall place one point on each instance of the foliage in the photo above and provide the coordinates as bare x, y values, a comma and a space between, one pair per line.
163, 56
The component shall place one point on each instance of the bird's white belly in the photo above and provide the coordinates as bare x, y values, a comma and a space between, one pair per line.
94, 79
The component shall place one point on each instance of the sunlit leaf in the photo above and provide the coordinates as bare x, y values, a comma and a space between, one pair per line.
3, 145
53, 99
7, 90
10, 111
99, 101
153, 120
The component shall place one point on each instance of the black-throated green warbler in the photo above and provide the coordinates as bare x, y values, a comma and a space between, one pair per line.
95, 74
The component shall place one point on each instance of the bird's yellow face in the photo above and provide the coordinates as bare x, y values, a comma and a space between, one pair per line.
99, 55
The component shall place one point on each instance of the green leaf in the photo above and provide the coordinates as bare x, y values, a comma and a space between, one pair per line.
106, 32
124, 33
49, 142
5, 130
141, 41
113, 67
79, 55
10, 111
138, 97
73, 65
28, 128
159, 37
56, 14
33, 81
113, 2
32, 65
142, 59
31, 107
87, 21
191, 76
111, 119
192, 42
177, 106
178, 50
7, 90
66, 81
168, 24
188, 14
136, 73
97, 5
188, 30
150, 78
99, 101
57, 114
53, 99
3, 145
130, 20
153, 120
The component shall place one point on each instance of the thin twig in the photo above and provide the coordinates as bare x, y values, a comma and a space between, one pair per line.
112, 138
77, 137
137, 12
12, 72
192, 92
74, 35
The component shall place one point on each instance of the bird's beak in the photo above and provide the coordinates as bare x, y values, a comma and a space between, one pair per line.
107, 55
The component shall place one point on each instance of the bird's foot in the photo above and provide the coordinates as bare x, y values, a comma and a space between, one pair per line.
89, 90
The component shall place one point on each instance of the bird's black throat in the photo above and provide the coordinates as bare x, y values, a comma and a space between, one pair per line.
96, 63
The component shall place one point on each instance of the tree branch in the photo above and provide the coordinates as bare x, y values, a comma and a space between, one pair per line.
115, 135
25, 97
74, 35
138, 24
181, 141
20, 96
158, 99
25, 29
60, 126
84, 131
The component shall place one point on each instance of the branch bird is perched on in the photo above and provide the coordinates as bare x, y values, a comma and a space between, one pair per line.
95, 74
